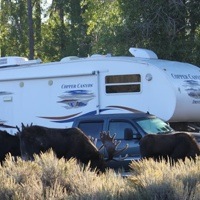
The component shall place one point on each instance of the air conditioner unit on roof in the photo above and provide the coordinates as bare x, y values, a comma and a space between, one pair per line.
16, 61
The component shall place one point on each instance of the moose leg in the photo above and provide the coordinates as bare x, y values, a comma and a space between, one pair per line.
180, 152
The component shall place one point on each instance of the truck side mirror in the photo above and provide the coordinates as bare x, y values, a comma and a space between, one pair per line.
137, 136
128, 134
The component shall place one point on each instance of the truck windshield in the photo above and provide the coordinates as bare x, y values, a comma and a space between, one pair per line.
154, 126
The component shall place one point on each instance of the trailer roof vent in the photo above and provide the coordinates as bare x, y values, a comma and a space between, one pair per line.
65, 59
16, 61
143, 53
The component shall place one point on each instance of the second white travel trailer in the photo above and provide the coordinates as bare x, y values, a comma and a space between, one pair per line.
54, 94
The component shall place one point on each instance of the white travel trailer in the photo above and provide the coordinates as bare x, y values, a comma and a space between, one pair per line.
54, 94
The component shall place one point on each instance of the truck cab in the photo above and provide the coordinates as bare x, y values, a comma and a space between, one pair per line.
129, 129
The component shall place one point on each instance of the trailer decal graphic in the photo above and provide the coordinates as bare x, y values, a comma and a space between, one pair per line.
68, 118
125, 108
76, 98
101, 111
192, 87
2, 124
71, 118
5, 93
60, 118
2, 121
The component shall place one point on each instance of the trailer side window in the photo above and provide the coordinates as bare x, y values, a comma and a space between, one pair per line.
123, 83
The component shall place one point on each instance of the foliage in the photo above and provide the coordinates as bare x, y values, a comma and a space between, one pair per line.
14, 28
50, 178
105, 26
161, 26
84, 27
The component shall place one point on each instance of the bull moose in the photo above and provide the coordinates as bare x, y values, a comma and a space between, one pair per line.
67, 143
9, 144
174, 146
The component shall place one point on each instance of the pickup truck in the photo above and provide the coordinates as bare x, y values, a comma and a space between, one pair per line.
129, 129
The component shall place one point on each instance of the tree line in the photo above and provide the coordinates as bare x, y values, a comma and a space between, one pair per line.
51, 30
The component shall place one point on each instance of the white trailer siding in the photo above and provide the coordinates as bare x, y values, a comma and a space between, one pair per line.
47, 101
184, 80
161, 96
156, 96
54, 94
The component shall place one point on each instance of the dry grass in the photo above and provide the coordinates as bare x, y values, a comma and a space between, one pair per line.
160, 180
55, 179
51, 178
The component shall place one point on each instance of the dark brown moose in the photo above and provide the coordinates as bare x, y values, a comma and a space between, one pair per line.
169, 146
67, 143
9, 144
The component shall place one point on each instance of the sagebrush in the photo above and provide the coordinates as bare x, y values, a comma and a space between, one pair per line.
50, 178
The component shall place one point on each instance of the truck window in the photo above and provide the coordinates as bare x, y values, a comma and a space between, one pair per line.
92, 129
118, 127
123, 83
154, 125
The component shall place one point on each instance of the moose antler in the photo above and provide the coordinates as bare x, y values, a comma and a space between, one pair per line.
23, 127
111, 144
93, 140
27, 126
